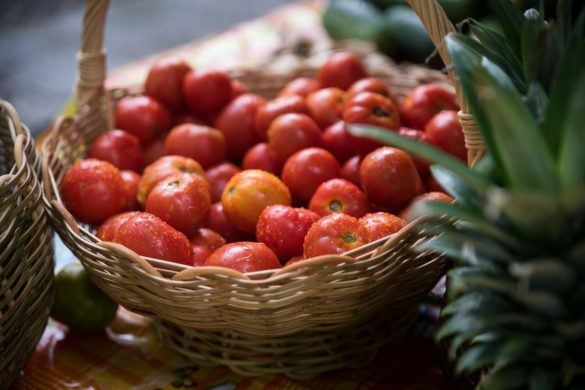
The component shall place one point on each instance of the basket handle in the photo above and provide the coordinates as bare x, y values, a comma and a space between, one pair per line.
438, 25
91, 58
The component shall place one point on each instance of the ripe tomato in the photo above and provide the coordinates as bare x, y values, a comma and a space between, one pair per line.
200, 254
244, 257
207, 92
164, 81
150, 236
182, 200
290, 133
218, 176
248, 193
93, 190
119, 148
131, 181
262, 157
238, 88
218, 222
203, 144
274, 108
109, 229
350, 171
339, 196
283, 229
341, 70
432, 186
294, 259
207, 238
336, 141
389, 178
237, 122
301, 86
142, 116
444, 131
186, 117
422, 166
377, 225
433, 196
333, 234
305, 170
153, 150
326, 106
163, 168
423, 102
371, 84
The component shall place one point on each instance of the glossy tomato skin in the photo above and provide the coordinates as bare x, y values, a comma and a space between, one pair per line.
301, 86
207, 92
433, 196
218, 222
389, 178
203, 144
377, 225
423, 102
153, 150
261, 156
247, 194
244, 257
208, 238
350, 170
283, 229
109, 229
163, 168
422, 166
118, 147
131, 181
164, 81
186, 117
333, 234
290, 133
182, 200
93, 190
444, 131
339, 196
218, 176
150, 236
238, 88
199, 255
341, 70
371, 84
237, 122
336, 141
143, 117
305, 170
326, 106
274, 108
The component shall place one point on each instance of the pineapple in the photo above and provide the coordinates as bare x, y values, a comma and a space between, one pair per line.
516, 302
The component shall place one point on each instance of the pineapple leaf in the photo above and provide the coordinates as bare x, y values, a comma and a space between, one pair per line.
456, 187
458, 324
476, 357
514, 348
505, 377
542, 379
477, 301
546, 274
543, 303
512, 22
537, 101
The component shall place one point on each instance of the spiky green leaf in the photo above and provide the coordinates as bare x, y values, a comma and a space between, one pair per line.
543, 379
476, 357
456, 187
546, 274
512, 22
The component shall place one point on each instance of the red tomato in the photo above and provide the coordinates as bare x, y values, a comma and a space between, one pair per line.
434, 196
305, 170
422, 166
283, 229
208, 238
109, 229
262, 157
164, 81
182, 200
290, 133
244, 257
207, 92
444, 131
432, 186
237, 122
200, 254
371, 84
389, 178
274, 108
238, 88
152, 151
301, 86
326, 106
350, 171
336, 141
131, 181
203, 144
119, 148
150, 236
142, 116
339, 196
341, 70
294, 259
218, 222
423, 102
333, 234
378, 225
93, 190
163, 168
218, 176
186, 117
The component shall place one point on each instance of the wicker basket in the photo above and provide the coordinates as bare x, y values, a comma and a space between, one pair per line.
26, 262
321, 314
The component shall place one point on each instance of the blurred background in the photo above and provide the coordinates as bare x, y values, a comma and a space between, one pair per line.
39, 40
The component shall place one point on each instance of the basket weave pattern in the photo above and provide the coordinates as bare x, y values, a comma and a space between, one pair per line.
26, 263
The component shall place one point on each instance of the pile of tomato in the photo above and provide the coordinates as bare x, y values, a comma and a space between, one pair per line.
200, 171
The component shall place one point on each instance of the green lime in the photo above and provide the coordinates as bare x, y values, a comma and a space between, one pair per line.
79, 303
352, 19
406, 35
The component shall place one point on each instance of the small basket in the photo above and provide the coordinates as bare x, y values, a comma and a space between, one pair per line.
26, 252
317, 315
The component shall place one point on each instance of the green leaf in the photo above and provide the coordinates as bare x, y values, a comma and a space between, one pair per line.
458, 324
474, 301
537, 101
456, 187
512, 22
548, 274
476, 357
514, 348
543, 303
542, 379
505, 377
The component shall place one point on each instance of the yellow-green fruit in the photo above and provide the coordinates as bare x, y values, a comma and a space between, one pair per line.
79, 303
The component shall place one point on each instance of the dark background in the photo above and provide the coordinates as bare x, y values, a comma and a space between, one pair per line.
39, 40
